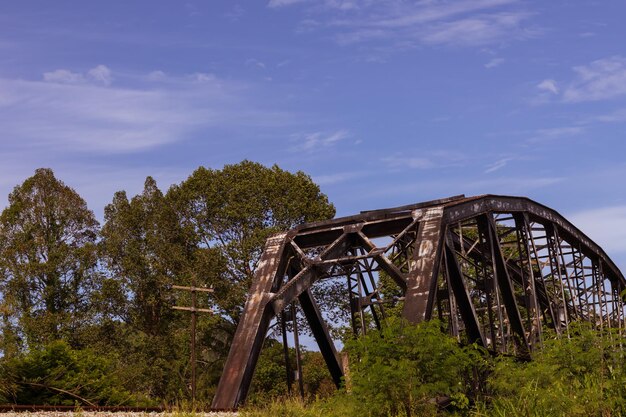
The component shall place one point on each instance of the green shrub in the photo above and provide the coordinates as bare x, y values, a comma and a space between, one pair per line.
404, 369
579, 375
60, 375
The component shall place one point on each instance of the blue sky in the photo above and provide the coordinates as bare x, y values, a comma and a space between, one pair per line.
382, 102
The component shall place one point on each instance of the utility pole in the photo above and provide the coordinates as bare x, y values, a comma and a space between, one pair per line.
194, 311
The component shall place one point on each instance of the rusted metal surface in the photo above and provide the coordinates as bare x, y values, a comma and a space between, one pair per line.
423, 269
493, 269
246, 346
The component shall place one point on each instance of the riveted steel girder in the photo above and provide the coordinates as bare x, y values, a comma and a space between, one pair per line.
493, 269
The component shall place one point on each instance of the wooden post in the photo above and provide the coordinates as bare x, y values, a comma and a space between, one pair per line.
194, 311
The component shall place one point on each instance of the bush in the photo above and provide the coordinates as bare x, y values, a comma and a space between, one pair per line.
582, 375
60, 375
406, 369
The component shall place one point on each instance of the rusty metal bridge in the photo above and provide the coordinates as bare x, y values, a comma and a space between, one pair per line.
493, 269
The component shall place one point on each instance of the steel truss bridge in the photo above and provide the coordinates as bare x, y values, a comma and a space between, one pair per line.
493, 269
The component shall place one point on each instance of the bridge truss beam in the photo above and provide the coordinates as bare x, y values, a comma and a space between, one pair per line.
493, 269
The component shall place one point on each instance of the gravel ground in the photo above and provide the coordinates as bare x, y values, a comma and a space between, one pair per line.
111, 414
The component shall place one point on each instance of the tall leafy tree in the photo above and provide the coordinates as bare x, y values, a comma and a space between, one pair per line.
47, 262
235, 209
146, 249
140, 249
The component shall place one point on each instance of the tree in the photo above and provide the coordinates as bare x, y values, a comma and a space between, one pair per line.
146, 250
236, 209
47, 262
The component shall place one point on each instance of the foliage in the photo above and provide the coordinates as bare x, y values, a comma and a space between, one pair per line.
59, 283
47, 263
580, 375
90, 321
583, 374
58, 374
269, 381
405, 367
236, 209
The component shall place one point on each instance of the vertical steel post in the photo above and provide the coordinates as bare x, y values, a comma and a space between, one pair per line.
193, 343
283, 329
296, 342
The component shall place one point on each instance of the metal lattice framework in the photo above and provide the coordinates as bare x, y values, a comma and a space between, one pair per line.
493, 269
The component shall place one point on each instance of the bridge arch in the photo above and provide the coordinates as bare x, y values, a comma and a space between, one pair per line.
494, 269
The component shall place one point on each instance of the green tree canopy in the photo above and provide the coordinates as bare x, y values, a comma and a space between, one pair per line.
47, 261
146, 249
236, 209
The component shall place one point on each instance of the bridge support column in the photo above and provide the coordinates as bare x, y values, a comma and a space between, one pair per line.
424, 267
248, 341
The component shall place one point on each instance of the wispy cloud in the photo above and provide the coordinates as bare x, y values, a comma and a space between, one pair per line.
499, 164
63, 76
495, 62
86, 112
599, 80
253, 62
319, 140
426, 160
337, 177
157, 75
602, 79
549, 86
282, 3
396, 162
466, 22
99, 75
477, 30
554, 133
615, 116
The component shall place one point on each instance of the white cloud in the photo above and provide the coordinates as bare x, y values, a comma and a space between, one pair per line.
336, 178
85, 117
616, 116
412, 14
156, 76
605, 225
253, 62
203, 77
342, 4
499, 164
317, 140
554, 133
600, 80
478, 30
402, 24
63, 76
549, 86
408, 162
494, 63
442, 158
282, 3
101, 74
